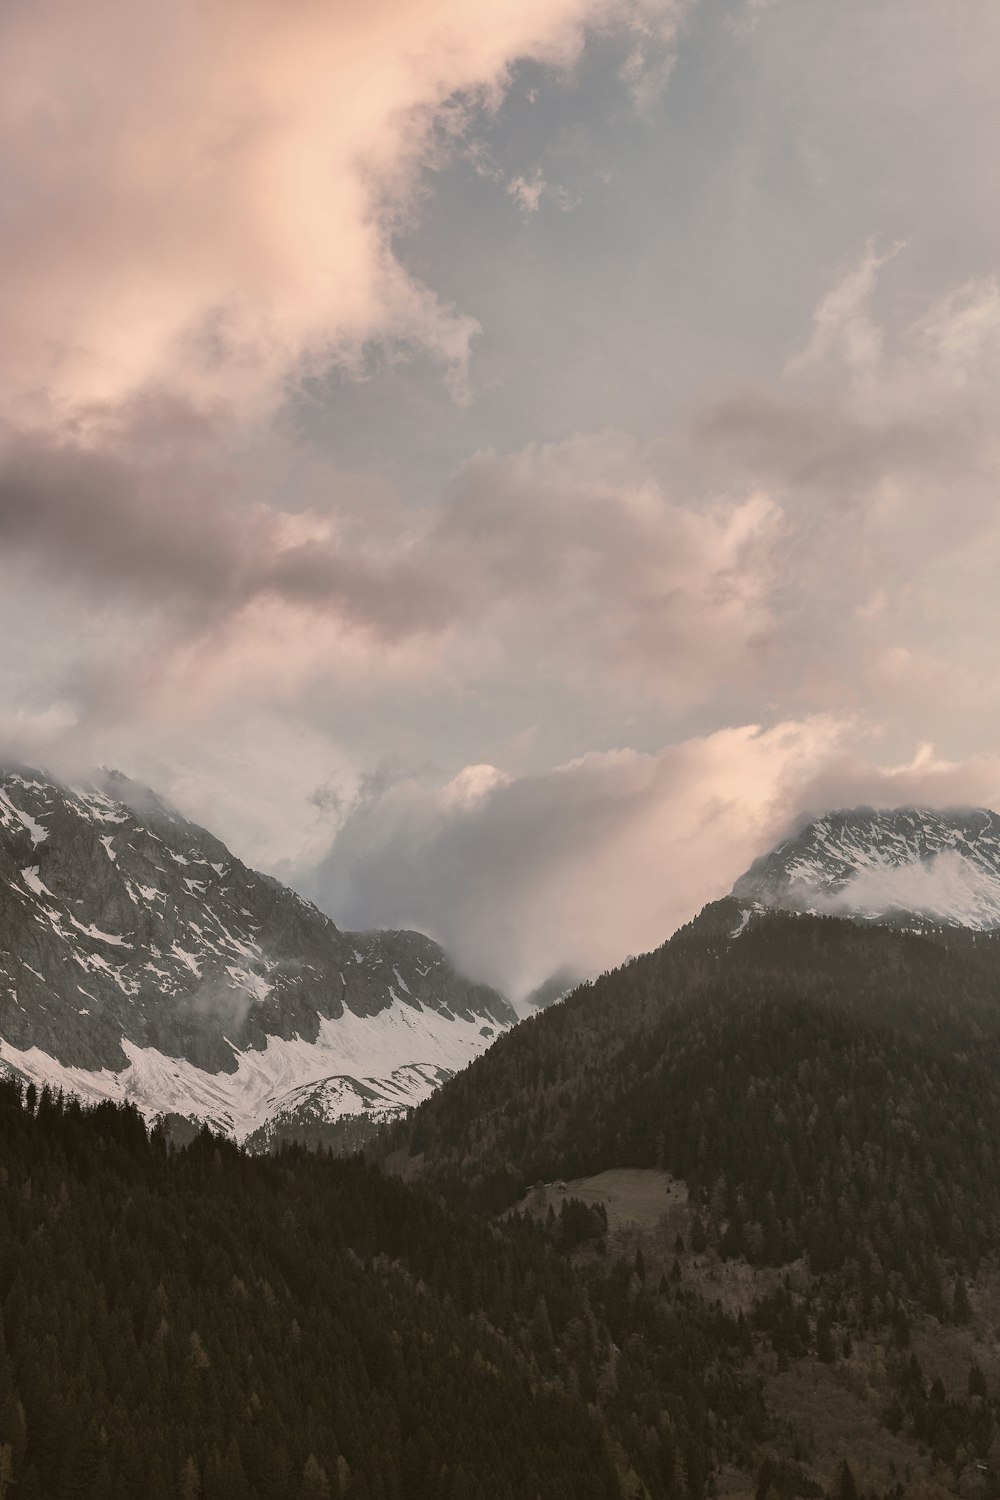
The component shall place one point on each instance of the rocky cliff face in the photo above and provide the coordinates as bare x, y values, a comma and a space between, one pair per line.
139, 958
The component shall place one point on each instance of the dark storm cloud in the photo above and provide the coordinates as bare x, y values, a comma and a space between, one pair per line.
164, 534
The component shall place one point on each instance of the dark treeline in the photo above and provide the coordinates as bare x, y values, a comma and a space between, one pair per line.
203, 1324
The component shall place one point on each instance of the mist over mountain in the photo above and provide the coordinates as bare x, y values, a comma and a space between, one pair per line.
935, 866
551, 990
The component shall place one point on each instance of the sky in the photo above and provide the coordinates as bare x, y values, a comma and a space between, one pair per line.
500, 465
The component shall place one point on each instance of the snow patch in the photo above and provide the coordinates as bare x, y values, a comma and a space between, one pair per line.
32, 881
252, 983
91, 931
186, 958
35, 830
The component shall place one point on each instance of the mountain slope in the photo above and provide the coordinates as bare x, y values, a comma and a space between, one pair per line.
226, 1327
650, 1065
823, 1097
771, 1064
943, 867
139, 959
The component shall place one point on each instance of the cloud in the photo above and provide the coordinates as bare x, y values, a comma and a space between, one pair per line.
849, 778
802, 567
579, 865
209, 203
652, 56
610, 853
841, 322
527, 191
834, 561
186, 545
574, 555
243, 774
506, 567
197, 223
884, 462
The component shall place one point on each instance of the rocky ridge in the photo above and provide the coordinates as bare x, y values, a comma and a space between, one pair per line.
139, 958
909, 866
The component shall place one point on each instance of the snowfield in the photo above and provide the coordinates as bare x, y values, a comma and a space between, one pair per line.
394, 1055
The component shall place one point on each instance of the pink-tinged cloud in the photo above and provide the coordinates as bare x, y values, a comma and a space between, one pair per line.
578, 865
202, 194
610, 853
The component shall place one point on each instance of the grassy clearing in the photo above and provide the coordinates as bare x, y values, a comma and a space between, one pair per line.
634, 1197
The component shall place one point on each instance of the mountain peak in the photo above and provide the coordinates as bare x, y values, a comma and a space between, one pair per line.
940, 866
139, 958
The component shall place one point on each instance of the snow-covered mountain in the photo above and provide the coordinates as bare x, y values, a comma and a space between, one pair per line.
905, 864
139, 959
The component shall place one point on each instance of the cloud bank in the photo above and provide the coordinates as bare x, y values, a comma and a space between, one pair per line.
608, 854
867, 512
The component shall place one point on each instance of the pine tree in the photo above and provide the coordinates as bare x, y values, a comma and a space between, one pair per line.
825, 1348
846, 1485
189, 1487
960, 1310
315, 1484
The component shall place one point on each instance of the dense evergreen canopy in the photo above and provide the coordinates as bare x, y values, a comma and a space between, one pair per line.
826, 1089
200, 1322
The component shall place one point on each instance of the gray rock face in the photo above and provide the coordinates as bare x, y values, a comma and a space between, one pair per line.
124, 927
940, 867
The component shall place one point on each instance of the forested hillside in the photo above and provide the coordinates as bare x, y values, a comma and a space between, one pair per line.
829, 1093
825, 1089
202, 1323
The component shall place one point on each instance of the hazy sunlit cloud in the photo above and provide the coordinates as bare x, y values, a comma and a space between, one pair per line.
209, 204
610, 853
580, 864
